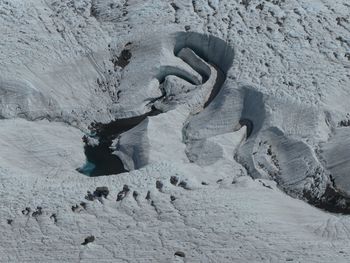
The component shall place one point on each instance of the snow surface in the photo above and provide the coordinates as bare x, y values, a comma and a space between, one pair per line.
251, 123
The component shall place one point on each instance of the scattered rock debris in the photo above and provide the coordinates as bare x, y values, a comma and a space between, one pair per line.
245, 3
26, 211
121, 195
159, 185
344, 123
269, 151
265, 185
83, 205
179, 254
174, 180
184, 185
260, 6
54, 218
101, 191
93, 11
38, 211
135, 194
155, 207
148, 196
77, 208
88, 240
89, 196
124, 58
175, 6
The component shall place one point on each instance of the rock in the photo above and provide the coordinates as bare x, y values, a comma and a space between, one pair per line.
180, 254
89, 196
126, 188
75, 208
101, 191
83, 205
124, 58
88, 240
148, 196
54, 218
26, 211
122, 194
174, 180
159, 185
135, 194
38, 212
184, 185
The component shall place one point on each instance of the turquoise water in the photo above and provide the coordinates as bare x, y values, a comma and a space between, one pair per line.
87, 169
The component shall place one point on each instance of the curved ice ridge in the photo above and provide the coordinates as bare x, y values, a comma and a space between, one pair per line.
189, 99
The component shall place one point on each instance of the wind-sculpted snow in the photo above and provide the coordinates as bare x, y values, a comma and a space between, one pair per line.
22, 99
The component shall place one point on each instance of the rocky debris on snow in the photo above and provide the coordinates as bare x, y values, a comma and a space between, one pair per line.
88, 240
78, 208
26, 211
159, 185
54, 217
122, 194
135, 194
174, 180
148, 196
101, 191
124, 57
180, 254
38, 211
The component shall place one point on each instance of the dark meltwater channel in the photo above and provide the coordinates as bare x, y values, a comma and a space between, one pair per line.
99, 158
